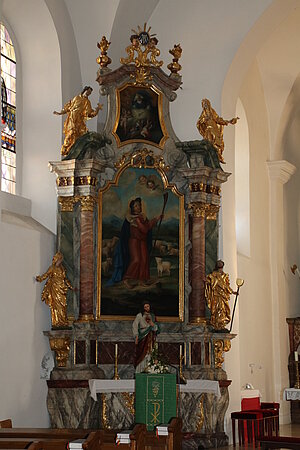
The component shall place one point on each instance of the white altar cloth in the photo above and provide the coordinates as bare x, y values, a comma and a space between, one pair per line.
291, 394
250, 393
107, 386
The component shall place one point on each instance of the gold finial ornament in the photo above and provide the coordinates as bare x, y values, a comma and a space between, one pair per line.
143, 53
78, 111
217, 295
176, 52
211, 126
103, 60
55, 291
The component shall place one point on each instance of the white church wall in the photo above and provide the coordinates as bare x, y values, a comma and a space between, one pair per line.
39, 132
26, 247
255, 301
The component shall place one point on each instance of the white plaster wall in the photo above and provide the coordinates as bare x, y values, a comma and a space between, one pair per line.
26, 249
255, 305
39, 94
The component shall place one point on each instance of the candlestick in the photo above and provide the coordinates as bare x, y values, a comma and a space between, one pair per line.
116, 375
297, 384
296, 356
181, 358
180, 351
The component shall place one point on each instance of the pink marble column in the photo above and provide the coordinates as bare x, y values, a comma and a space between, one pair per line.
197, 296
86, 260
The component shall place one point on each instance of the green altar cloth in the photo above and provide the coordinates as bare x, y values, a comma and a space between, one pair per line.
155, 398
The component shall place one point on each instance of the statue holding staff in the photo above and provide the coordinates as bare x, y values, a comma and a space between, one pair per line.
217, 294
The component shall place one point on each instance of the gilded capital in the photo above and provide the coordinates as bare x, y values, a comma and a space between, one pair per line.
87, 203
61, 347
66, 203
198, 209
212, 212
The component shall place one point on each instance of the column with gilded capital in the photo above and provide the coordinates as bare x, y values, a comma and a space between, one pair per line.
87, 204
279, 173
197, 269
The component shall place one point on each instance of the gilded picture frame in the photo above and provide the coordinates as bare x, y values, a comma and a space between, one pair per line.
139, 116
121, 286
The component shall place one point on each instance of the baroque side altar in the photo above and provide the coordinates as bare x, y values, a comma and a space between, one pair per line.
137, 159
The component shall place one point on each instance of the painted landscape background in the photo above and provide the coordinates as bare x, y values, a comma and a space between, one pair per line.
163, 290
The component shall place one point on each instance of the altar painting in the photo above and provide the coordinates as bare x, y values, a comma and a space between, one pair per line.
140, 246
139, 116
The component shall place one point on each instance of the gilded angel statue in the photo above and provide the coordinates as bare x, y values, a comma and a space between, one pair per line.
78, 111
217, 294
55, 291
211, 126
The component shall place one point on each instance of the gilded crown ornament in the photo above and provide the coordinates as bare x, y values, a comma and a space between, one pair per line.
176, 52
143, 53
103, 60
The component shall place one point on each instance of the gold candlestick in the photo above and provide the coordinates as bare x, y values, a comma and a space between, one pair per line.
181, 376
297, 384
116, 375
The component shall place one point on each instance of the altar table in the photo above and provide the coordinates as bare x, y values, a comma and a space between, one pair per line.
112, 386
291, 394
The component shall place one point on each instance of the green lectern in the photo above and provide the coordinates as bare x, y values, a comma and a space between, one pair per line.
155, 398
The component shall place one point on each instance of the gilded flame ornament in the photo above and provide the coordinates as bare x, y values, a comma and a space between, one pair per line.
103, 60
211, 126
143, 53
78, 111
55, 291
176, 52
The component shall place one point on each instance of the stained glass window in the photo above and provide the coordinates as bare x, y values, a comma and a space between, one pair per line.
8, 113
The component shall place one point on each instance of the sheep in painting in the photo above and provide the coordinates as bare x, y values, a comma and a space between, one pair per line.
163, 267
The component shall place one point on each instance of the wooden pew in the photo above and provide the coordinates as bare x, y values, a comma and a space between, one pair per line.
7, 423
93, 441
171, 442
279, 442
57, 439
137, 438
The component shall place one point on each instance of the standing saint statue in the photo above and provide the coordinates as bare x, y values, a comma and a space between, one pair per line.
217, 294
144, 328
78, 111
211, 126
55, 291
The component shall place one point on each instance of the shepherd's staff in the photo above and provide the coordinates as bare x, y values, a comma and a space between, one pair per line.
239, 283
161, 217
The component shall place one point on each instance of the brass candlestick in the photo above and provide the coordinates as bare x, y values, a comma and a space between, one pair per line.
181, 376
297, 384
116, 375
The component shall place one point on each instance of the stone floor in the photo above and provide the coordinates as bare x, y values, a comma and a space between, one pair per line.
285, 430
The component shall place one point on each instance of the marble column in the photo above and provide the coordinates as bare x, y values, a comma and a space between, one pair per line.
197, 296
279, 174
86, 259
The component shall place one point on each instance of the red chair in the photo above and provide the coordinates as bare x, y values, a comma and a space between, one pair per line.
269, 410
250, 425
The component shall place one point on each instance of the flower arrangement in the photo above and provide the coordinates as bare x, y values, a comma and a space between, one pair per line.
155, 364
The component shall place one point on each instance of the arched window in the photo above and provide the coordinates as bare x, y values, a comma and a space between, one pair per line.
8, 113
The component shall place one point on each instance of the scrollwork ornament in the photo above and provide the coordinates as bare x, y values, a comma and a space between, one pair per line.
144, 158
129, 401
200, 414
61, 347
221, 346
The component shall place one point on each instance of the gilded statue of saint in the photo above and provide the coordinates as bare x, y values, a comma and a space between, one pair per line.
78, 111
211, 126
217, 294
55, 291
